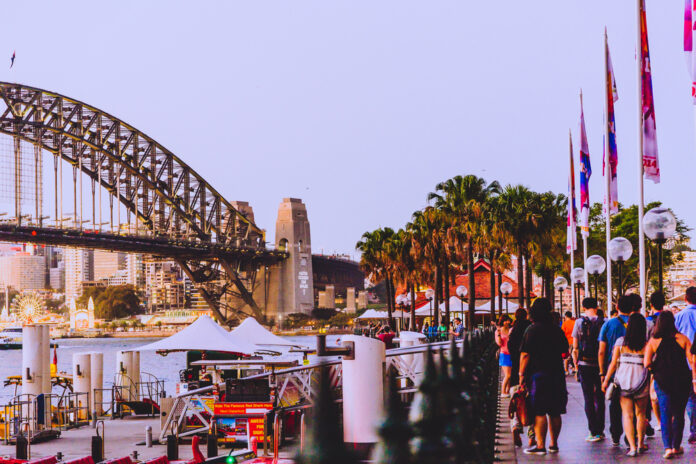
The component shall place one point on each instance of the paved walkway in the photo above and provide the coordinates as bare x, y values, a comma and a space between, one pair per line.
574, 449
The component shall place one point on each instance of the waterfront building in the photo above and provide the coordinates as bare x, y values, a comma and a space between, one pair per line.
135, 267
681, 274
164, 286
78, 269
107, 264
56, 277
23, 271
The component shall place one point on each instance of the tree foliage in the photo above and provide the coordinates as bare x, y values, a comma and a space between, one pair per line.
112, 302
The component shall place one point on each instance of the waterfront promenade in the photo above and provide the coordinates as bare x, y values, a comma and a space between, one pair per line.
574, 449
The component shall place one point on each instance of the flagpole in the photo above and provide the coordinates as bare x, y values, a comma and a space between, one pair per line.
641, 197
607, 170
572, 228
583, 223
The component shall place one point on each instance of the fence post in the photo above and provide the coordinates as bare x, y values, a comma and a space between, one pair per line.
395, 431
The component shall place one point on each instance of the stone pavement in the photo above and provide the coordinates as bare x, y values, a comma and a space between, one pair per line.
574, 449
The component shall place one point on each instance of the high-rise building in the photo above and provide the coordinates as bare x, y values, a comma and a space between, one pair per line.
57, 277
135, 270
107, 263
164, 286
78, 268
23, 271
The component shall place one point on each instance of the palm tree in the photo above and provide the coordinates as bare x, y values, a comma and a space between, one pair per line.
462, 199
376, 261
519, 219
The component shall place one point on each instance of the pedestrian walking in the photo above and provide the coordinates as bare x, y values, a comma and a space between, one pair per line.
685, 322
567, 327
514, 344
585, 337
632, 380
458, 329
612, 330
667, 356
502, 335
541, 370
657, 304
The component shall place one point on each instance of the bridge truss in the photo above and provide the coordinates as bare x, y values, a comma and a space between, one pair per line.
170, 210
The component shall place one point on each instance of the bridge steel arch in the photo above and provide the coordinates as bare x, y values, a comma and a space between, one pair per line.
166, 195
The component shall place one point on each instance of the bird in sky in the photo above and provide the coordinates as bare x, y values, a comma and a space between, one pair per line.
12, 59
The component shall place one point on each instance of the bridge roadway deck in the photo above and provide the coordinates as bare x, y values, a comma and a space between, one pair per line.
160, 246
574, 449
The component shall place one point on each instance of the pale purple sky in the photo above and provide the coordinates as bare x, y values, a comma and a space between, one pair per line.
360, 108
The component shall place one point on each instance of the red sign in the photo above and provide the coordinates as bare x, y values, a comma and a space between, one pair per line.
234, 409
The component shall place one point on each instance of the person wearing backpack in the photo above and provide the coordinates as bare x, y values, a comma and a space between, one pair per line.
585, 338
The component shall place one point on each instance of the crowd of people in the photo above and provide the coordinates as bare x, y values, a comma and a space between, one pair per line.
641, 366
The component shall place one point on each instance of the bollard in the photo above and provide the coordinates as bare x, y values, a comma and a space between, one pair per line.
212, 448
94, 419
97, 448
172, 448
148, 436
22, 447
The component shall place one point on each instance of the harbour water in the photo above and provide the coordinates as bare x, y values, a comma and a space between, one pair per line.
163, 367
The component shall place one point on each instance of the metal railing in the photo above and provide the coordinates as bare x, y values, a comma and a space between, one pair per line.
188, 404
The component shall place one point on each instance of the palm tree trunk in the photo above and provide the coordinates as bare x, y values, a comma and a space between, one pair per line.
520, 276
472, 285
528, 285
390, 299
446, 282
492, 282
413, 308
500, 294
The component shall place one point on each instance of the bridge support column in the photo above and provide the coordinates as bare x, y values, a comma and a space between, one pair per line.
291, 282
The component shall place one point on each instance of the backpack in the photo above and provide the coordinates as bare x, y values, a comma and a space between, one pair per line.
589, 339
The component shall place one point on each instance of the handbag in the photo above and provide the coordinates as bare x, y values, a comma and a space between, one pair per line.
519, 405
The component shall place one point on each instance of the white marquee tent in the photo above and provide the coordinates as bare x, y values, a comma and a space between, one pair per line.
205, 335
374, 314
252, 332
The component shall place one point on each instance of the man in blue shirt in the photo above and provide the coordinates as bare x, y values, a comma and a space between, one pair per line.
612, 330
686, 324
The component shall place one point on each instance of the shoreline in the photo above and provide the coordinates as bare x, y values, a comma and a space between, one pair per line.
168, 333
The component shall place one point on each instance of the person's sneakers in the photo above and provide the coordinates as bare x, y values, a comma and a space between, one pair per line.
602, 436
649, 431
615, 443
692, 438
553, 449
594, 438
536, 451
632, 453
517, 438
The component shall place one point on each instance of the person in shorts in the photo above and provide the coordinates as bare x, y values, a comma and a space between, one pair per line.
502, 335
541, 367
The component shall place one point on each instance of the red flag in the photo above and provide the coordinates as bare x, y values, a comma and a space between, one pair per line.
651, 163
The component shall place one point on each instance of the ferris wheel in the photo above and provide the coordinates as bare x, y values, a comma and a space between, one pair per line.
27, 308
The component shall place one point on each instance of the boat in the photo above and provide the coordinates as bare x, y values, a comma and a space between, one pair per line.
11, 339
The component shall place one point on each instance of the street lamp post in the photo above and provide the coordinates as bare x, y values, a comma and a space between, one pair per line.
506, 289
577, 276
595, 265
429, 295
620, 250
560, 284
659, 225
461, 293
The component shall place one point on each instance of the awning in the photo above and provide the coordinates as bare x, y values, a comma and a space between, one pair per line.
374, 314
203, 335
486, 307
252, 332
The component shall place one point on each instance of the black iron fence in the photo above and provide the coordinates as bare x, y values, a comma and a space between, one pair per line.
452, 419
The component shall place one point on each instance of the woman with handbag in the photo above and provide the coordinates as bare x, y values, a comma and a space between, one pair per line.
632, 380
667, 356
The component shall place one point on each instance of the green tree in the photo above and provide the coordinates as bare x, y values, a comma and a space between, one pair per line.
90, 292
117, 302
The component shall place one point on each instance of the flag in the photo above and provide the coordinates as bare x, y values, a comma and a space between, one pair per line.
571, 239
689, 31
651, 163
610, 149
585, 174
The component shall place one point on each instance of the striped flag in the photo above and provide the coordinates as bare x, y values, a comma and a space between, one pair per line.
689, 31
651, 162
571, 239
610, 149
585, 174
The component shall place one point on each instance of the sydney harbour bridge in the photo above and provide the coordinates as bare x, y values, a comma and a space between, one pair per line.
127, 193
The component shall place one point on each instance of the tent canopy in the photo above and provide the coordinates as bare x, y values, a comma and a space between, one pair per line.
205, 335
374, 314
486, 307
254, 333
